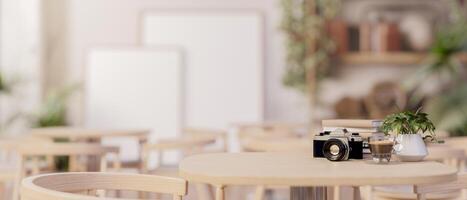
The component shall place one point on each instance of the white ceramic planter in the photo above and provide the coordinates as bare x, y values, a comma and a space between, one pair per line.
410, 147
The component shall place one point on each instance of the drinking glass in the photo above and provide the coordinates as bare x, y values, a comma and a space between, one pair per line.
381, 148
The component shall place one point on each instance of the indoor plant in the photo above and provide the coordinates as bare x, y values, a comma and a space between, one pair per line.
444, 98
410, 128
309, 46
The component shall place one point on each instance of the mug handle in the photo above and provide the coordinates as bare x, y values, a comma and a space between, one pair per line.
397, 145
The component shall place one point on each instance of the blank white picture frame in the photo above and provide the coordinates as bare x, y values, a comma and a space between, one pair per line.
224, 62
134, 88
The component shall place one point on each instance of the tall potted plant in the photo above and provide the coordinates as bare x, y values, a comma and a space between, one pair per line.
410, 128
309, 46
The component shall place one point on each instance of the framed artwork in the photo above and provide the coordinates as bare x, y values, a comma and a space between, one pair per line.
224, 61
135, 88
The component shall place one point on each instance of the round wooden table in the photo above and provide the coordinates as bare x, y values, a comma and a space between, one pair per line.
301, 172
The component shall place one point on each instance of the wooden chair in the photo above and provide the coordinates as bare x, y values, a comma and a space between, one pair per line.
273, 144
457, 142
439, 152
31, 153
84, 185
90, 135
219, 135
9, 158
194, 141
265, 143
187, 145
423, 190
286, 129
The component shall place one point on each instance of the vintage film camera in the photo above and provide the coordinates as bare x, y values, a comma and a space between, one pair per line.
338, 145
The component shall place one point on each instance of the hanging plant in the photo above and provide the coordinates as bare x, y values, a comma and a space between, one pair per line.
308, 45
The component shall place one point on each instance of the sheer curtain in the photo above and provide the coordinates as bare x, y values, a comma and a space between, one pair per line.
20, 61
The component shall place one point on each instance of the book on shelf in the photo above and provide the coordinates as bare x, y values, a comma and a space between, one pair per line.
337, 30
389, 39
352, 123
354, 38
365, 37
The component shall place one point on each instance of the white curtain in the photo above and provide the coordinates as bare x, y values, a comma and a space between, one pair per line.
20, 59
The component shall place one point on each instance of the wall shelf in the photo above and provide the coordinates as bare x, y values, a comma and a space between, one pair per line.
396, 58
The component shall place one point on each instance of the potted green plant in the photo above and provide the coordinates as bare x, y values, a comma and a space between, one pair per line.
410, 129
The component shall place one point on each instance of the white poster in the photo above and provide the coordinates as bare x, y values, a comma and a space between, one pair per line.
223, 59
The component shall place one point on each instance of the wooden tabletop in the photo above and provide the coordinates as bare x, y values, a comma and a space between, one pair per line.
84, 133
300, 169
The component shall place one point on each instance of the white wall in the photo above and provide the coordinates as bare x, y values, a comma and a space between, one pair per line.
117, 22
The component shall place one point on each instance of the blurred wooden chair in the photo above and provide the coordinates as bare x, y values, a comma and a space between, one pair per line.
194, 141
285, 129
96, 136
423, 190
437, 152
457, 142
274, 144
9, 159
92, 185
220, 136
31, 153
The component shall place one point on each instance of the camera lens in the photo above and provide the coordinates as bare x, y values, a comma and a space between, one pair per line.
334, 149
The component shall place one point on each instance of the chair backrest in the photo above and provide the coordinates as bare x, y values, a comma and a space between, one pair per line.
188, 144
65, 149
447, 154
282, 144
65, 186
9, 146
31, 152
457, 142
220, 135
460, 183
269, 128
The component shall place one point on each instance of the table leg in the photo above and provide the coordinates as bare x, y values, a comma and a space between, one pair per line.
93, 161
308, 193
220, 193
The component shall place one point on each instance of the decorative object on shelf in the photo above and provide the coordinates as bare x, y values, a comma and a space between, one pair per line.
384, 98
350, 107
309, 46
409, 127
418, 31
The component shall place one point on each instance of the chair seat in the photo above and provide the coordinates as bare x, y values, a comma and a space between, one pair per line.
406, 192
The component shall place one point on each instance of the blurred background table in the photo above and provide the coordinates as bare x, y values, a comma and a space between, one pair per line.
89, 135
95, 135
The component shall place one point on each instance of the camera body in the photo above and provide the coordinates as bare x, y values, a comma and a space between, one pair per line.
338, 145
